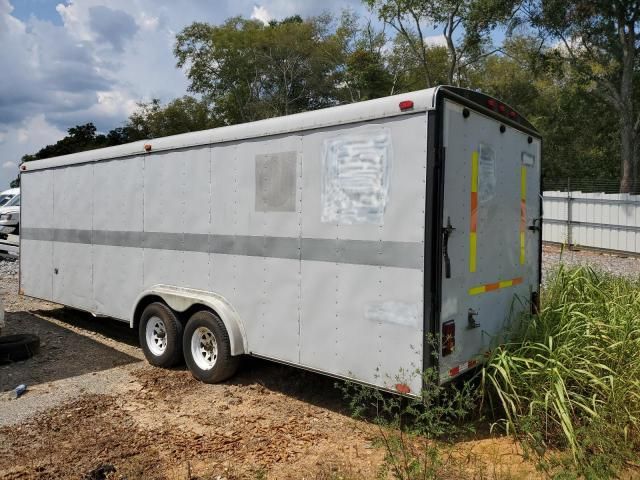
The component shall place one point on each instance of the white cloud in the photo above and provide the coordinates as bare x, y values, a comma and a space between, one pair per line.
94, 68
435, 41
260, 13
35, 132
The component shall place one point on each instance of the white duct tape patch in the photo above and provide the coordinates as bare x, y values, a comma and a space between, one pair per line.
355, 177
399, 313
487, 173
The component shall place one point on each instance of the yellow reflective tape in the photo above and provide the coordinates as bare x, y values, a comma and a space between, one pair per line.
473, 239
505, 283
522, 248
474, 172
477, 290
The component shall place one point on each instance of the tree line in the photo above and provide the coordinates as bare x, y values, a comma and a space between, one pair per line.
570, 67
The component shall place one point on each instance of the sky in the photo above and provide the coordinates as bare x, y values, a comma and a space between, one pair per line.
69, 62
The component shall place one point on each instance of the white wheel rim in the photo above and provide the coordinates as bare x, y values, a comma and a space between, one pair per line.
204, 348
156, 334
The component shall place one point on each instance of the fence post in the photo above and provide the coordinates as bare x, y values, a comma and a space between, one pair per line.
569, 214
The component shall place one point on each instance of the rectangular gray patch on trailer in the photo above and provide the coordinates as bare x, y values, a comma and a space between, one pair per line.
276, 182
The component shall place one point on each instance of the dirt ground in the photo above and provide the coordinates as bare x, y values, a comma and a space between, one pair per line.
95, 409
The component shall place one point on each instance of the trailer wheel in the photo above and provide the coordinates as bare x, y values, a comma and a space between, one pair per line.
207, 349
160, 334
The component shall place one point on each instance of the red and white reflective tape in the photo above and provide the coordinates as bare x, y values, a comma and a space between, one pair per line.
463, 367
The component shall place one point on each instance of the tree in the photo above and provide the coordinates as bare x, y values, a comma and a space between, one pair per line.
599, 40
182, 115
465, 25
251, 71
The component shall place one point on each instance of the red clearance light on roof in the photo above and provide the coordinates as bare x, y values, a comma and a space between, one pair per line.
147, 147
501, 108
491, 103
23, 167
513, 114
406, 105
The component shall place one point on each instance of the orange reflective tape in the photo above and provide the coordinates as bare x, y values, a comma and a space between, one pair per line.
490, 287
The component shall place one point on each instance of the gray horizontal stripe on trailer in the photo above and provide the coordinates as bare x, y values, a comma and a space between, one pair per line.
359, 252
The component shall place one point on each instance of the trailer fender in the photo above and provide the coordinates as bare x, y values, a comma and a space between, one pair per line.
181, 299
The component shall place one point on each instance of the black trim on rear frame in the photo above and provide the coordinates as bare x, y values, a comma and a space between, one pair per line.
433, 225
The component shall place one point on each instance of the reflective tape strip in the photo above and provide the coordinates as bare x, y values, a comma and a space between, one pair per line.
463, 367
490, 287
523, 213
473, 227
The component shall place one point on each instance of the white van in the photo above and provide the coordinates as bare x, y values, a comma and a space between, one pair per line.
10, 217
7, 195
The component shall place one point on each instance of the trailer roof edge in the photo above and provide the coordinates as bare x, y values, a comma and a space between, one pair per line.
343, 114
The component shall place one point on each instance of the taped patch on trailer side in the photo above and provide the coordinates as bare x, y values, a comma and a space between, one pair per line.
399, 313
486, 173
355, 176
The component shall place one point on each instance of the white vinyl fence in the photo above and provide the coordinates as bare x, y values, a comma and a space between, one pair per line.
597, 220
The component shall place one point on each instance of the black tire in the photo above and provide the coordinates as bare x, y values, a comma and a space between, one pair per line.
172, 353
18, 347
225, 365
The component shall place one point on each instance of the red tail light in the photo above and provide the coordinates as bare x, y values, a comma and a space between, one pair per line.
448, 337
406, 105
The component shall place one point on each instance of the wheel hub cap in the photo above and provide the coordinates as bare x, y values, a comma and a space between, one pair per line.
204, 348
156, 336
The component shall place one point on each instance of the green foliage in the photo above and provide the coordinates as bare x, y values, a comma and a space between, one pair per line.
78, 139
251, 71
570, 377
411, 430
466, 26
243, 70
182, 115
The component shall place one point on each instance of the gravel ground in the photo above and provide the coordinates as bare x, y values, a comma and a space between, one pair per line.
553, 255
93, 400
8, 268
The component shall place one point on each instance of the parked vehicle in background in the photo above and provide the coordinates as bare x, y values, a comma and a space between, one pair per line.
7, 195
10, 218
339, 240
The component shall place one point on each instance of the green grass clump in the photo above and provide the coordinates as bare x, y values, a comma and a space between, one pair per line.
569, 378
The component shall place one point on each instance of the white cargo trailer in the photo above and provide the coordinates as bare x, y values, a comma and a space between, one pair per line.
337, 240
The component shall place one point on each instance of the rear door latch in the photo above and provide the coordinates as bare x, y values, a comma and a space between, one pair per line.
471, 319
446, 232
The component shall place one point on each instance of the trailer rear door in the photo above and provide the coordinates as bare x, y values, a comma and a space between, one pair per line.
490, 254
